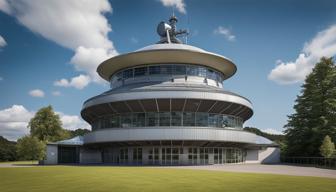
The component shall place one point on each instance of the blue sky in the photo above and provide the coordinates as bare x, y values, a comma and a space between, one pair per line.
49, 50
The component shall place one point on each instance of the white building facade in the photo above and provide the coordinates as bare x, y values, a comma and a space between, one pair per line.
166, 106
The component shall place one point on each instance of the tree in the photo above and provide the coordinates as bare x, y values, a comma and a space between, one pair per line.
315, 111
47, 126
7, 150
79, 132
30, 148
327, 148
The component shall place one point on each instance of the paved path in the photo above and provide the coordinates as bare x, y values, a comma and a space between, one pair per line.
272, 169
245, 168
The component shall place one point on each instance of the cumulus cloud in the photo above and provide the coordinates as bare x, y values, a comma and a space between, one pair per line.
227, 33
72, 122
323, 44
2, 42
14, 121
177, 4
36, 93
78, 82
78, 25
272, 131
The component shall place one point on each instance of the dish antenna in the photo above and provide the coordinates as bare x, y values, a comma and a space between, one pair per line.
168, 32
163, 30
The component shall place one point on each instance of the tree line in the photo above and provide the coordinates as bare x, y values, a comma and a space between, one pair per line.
44, 127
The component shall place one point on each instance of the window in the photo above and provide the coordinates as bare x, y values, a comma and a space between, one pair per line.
192, 70
138, 120
126, 120
164, 119
140, 71
179, 70
128, 73
202, 71
213, 120
166, 69
152, 119
114, 121
188, 119
202, 119
176, 119
154, 70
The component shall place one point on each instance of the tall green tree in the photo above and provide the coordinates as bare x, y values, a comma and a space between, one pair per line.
327, 148
30, 148
47, 126
315, 111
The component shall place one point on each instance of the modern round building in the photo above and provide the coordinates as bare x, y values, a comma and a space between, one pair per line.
166, 106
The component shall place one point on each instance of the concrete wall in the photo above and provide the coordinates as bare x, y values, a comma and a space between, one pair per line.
52, 155
269, 155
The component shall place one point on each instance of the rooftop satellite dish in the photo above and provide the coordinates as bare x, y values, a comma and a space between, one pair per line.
162, 29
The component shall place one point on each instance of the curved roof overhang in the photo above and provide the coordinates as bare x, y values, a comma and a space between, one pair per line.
164, 54
174, 134
157, 101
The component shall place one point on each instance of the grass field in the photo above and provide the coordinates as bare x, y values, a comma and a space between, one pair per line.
124, 179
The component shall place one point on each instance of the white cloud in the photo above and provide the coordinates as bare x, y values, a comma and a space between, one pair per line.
272, 131
36, 93
73, 122
1, 78
323, 44
78, 82
227, 33
178, 4
78, 25
14, 122
87, 59
56, 93
2, 42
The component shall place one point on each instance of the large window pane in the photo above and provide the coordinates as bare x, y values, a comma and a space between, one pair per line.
222, 121
115, 121
213, 120
138, 119
192, 70
128, 74
202, 71
179, 70
154, 70
126, 120
140, 71
166, 69
152, 119
164, 118
188, 119
202, 119
211, 74
176, 118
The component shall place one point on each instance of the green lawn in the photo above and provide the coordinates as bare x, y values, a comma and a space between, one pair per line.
123, 179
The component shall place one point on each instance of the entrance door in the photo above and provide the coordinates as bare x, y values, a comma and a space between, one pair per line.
170, 155
153, 156
218, 156
204, 156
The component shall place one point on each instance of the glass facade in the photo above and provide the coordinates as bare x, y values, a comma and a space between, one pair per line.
166, 69
152, 119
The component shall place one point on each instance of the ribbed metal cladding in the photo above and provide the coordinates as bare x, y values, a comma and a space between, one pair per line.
171, 134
